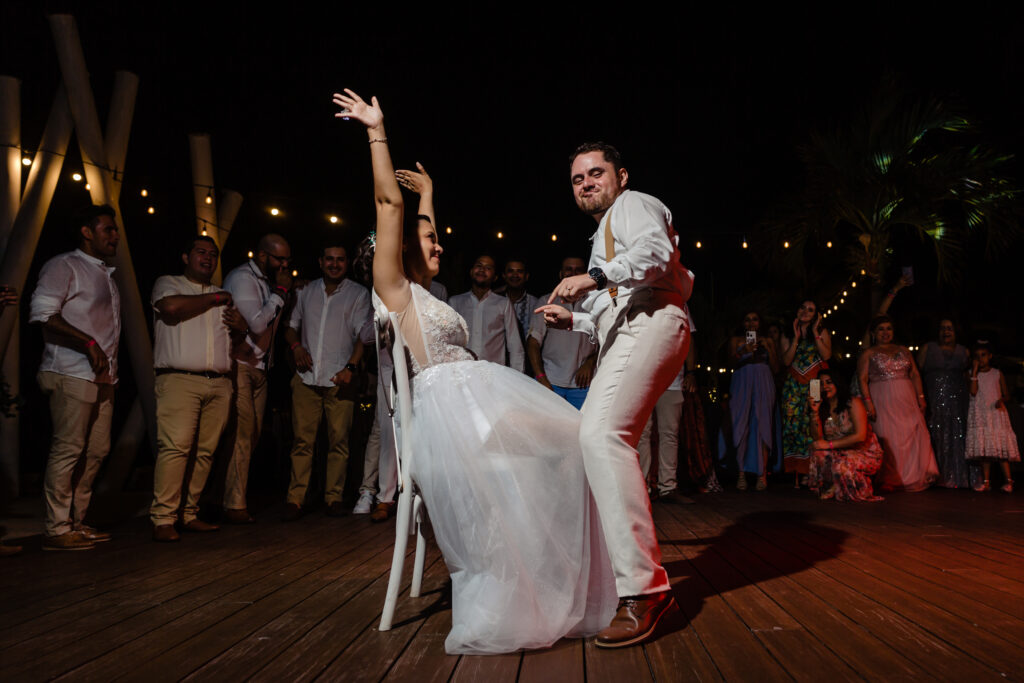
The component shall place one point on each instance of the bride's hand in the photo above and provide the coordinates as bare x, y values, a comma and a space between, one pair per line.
419, 183
353, 107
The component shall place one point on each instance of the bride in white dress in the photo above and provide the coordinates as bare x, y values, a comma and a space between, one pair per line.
498, 460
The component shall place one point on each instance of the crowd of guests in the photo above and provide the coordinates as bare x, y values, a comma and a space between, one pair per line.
897, 424
893, 424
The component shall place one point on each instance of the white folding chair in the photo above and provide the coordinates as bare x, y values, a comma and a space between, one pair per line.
410, 504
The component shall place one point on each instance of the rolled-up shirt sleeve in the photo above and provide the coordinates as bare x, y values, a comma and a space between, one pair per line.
52, 290
584, 323
644, 226
362, 318
245, 291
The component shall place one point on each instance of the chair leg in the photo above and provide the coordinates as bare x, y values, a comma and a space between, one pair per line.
421, 548
398, 559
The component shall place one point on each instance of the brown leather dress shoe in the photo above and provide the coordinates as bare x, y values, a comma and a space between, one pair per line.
291, 512
336, 509
165, 533
381, 512
635, 620
199, 526
238, 516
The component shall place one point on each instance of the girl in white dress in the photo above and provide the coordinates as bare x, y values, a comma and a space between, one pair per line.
497, 455
989, 434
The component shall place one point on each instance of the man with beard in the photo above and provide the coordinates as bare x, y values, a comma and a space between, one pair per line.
325, 332
523, 303
493, 329
259, 287
193, 330
78, 305
633, 302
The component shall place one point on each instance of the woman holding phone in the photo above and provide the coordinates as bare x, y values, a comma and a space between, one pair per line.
752, 400
804, 355
895, 401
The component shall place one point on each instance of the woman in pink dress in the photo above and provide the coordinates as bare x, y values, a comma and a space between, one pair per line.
894, 398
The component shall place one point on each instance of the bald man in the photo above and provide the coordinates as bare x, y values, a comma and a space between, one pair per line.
260, 288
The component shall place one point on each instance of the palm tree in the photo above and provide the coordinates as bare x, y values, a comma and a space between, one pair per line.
903, 165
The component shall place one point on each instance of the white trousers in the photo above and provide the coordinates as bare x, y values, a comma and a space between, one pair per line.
643, 345
379, 459
669, 410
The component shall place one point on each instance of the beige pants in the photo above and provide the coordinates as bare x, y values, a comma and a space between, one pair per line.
250, 404
380, 464
643, 345
189, 409
669, 410
309, 404
81, 412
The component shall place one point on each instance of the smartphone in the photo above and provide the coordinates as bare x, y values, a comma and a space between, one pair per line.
908, 274
751, 337
815, 389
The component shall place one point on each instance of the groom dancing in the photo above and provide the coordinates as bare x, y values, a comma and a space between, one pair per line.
633, 305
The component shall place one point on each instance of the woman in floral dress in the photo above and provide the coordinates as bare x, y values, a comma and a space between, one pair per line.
804, 356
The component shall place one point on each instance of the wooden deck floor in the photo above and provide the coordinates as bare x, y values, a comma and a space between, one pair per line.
772, 586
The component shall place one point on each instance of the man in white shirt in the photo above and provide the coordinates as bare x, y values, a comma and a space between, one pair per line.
493, 329
523, 303
259, 288
79, 307
324, 335
562, 360
193, 325
634, 294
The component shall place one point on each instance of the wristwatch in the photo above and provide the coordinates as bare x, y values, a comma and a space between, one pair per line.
598, 276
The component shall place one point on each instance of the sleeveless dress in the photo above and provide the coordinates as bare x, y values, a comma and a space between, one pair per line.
752, 411
849, 469
945, 384
909, 462
796, 420
989, 434
498, 463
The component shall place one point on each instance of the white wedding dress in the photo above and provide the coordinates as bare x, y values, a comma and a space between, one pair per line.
498, 463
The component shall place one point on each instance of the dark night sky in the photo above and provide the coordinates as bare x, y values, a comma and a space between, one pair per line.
706, 106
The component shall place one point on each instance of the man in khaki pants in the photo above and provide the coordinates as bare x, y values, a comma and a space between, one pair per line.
260, 289
192, 360
330, 317
79, 307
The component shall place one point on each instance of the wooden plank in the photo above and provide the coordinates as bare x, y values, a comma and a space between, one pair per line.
155, 631
371, 655
425, 660
625, 664
502, 668
560, 663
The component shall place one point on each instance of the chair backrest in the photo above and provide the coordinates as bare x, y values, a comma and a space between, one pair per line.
390, 341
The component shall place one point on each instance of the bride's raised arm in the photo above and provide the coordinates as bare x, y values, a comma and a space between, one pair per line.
388, 275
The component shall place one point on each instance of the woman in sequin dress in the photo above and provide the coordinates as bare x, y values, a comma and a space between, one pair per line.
845, 452
944, 366
895, 401
804, 356
497, 455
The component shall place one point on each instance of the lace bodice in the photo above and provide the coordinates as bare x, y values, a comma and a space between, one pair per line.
884, 367
434, 333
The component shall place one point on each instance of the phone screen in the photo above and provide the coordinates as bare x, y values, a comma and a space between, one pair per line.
815, 389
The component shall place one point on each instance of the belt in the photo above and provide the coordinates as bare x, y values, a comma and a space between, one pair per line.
206, 373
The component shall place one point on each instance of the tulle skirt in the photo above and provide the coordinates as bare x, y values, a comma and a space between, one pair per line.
497, 460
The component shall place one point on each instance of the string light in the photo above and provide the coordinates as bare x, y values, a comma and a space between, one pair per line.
842, 301
333, 220
699, 245
836, 307
448, 230
88, 186
144, 193
554, 238
785, 245
250, 254
844, 292
295, 273
203, 233
26, 161
744, 242
275, 212
847, 338
151, 210
501, 235
76, 177
853, 284
209, 196
863, 272
829, 244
